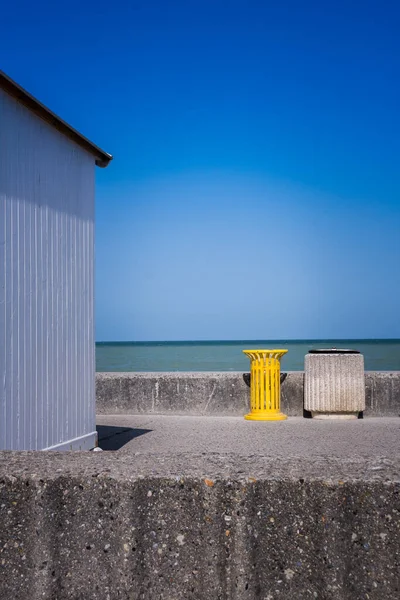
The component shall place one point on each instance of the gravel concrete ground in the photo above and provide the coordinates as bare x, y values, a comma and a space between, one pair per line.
296, 437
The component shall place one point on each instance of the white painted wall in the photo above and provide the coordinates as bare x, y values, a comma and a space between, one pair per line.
47, 366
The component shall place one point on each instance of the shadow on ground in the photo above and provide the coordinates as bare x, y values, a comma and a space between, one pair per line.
114, 438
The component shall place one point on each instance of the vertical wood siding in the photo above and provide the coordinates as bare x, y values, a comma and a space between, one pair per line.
47, 364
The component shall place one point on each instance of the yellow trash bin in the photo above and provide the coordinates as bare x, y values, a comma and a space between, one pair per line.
265, 386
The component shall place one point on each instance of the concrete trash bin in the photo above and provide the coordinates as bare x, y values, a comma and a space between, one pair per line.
334, 384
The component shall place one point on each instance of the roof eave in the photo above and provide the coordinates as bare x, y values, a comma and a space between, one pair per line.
102, 158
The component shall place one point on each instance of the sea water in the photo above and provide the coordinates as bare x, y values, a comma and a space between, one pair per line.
380, 355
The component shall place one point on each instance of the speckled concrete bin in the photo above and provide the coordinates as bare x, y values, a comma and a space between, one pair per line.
334, 384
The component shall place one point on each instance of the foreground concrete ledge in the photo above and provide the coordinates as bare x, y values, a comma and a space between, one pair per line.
148, 527
225, 393
51, 466
299, 510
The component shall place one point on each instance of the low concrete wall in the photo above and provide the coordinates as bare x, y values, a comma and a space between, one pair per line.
222, 393
98, 526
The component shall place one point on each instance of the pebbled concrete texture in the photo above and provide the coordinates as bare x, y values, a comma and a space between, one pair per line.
222, 393
206, 508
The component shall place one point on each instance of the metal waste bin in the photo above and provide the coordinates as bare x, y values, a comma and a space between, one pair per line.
334, 384
265, 385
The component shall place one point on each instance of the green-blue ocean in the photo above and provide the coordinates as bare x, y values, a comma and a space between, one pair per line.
379, 355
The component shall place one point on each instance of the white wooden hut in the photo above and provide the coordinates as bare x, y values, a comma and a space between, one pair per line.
47, 349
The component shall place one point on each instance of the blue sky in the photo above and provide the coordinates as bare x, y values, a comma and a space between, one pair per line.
255, 189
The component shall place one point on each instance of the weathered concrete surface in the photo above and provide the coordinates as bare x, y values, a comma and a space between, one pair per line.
334, 383
111, 526
302, 438
186, 393
222, 393
382, 393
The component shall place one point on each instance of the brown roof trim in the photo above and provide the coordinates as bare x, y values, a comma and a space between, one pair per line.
16, 91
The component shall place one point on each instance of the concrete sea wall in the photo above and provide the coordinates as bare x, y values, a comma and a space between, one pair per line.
88, 526
222, 393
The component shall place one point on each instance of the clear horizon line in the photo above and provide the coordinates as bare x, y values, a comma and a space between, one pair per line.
196, 341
